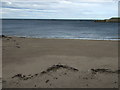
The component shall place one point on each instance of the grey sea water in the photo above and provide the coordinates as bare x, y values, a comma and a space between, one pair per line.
65, 29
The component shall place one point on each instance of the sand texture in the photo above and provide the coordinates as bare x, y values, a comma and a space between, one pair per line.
59, 63
0, 63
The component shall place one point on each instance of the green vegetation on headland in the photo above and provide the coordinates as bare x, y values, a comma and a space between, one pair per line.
115, 19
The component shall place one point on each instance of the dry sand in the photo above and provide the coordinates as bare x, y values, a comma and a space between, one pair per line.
0, 63
59, 63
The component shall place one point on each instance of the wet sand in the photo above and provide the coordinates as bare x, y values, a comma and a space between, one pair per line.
59, 63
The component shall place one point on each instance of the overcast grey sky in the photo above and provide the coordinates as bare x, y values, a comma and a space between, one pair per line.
59, 9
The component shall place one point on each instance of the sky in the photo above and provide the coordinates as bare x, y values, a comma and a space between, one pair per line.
59, 9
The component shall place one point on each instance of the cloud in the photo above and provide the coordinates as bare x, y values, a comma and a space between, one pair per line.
60, 0
59, 8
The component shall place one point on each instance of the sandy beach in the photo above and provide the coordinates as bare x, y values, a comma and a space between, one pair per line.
59, 63
0, 63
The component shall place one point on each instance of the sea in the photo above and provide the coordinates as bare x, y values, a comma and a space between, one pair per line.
60, 29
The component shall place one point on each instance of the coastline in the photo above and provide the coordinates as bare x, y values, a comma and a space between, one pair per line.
25, 59
87, 39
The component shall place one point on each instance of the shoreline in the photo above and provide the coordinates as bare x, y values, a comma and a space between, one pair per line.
64, 38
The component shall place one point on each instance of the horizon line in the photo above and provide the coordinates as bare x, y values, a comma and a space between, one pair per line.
62, 18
